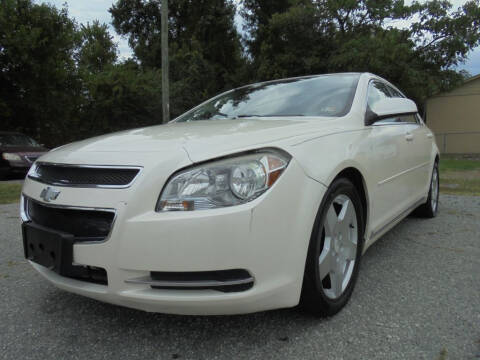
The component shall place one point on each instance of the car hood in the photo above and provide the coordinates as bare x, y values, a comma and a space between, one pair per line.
202, 140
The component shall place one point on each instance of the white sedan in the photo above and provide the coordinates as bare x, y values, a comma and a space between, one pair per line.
263, 197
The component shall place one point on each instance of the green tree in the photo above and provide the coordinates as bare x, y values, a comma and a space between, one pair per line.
257, 15
204, 46
97, 50
296, 42
61, 82
120, 97
347, 35
37, 70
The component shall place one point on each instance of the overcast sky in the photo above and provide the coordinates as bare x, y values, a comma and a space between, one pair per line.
87, 11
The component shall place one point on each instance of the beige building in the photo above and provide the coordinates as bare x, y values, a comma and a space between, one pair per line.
454, 117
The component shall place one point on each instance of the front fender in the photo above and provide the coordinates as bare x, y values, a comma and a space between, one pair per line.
323, 158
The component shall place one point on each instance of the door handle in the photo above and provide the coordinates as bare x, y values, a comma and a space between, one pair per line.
409, 137
430, 135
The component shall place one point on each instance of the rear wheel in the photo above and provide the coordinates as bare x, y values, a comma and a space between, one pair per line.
430, 208
335, 250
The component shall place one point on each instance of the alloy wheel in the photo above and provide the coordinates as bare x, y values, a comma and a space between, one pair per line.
340, 243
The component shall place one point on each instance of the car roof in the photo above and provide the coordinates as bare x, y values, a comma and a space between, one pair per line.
289, 78
305, 77
360, 74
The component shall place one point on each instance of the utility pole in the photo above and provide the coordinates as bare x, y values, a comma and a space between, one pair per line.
165, 85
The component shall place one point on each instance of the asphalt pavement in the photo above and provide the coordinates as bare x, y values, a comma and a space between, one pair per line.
417, 297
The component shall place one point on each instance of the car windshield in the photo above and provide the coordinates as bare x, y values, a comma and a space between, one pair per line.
16, 140
326, 95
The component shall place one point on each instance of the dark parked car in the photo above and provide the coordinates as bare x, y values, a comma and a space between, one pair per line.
17, 153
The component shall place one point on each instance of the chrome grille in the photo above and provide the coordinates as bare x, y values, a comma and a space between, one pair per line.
84, 175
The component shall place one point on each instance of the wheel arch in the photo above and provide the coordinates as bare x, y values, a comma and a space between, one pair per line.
310, 284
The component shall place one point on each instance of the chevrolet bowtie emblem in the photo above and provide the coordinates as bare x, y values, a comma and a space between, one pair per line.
48, 194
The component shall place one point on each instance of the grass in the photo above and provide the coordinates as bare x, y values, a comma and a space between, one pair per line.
458, 163
10, 193
460, 175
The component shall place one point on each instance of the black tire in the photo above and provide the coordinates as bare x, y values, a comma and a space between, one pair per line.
430, 208
314, 298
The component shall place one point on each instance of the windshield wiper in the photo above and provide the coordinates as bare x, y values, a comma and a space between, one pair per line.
246, 115
221, 114
210, 116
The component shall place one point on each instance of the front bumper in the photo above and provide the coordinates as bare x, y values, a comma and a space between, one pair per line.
268, 237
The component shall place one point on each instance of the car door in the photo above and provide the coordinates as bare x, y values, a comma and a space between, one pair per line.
426, 145
418, 152
388, 163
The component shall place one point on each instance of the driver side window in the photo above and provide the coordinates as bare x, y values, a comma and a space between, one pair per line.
376, 92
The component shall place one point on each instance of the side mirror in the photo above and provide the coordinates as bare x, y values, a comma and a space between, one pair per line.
387, 107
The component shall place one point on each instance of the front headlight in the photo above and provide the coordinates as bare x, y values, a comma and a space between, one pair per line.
223, 183
11, 157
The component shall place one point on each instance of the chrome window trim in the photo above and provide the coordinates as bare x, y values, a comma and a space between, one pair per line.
25, 216
121, 167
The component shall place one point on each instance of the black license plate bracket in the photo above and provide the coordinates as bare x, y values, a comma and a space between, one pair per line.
49, 248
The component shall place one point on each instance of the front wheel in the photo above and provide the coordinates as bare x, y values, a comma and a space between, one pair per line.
335, 250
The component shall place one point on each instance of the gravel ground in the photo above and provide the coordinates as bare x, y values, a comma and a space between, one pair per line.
418, 297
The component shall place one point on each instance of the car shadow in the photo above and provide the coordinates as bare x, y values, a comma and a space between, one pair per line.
180, 331
75, 317
185, 331
88, 316
88, 311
